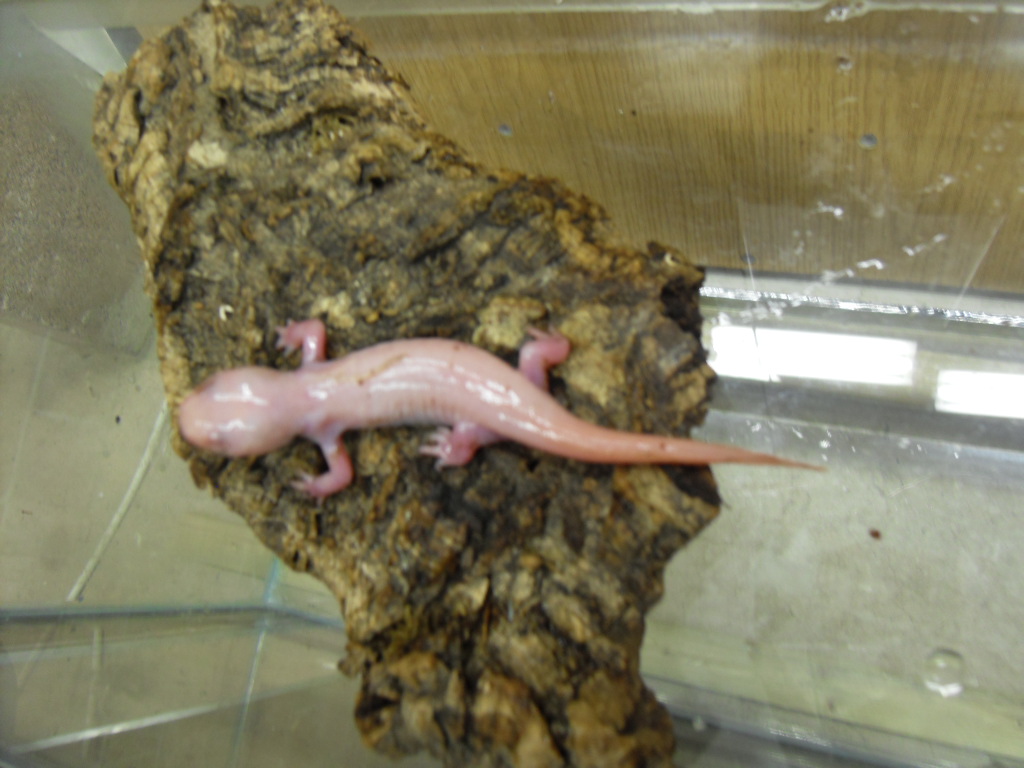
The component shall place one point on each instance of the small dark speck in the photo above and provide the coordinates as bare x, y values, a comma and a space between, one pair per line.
117, 419
869, 141
505, 129
632, 112
26, 511
748, 258
875, 533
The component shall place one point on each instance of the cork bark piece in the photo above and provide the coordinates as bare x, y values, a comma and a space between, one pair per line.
276, 170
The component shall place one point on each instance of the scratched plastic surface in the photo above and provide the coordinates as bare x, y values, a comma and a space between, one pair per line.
850, 172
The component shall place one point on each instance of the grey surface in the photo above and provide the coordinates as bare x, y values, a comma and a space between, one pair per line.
69, 260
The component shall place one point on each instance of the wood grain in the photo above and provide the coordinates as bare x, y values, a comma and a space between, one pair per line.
741, 132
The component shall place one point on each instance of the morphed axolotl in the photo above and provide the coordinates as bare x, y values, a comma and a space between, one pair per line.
254, 410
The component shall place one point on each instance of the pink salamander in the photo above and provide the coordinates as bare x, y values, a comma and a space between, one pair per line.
253, 410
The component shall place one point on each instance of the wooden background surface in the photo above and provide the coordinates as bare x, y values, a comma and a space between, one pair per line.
742, 134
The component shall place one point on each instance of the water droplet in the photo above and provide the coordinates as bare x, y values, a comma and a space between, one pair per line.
844, 65
944, 672
699, 724
825, 444
748, 258
830, 276
846, 11
835, 210
755, 427
837, 13
505, 129
868, 141
945, 179
914, 250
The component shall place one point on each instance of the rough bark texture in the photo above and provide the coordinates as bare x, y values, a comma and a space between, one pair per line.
276, 170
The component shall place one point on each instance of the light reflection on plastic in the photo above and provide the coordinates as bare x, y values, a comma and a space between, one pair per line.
981, 393
772, 354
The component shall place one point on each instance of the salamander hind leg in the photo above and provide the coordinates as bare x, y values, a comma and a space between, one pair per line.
544, 351
309, 335
456, 447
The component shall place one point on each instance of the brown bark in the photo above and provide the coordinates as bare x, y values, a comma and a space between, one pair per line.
276, 170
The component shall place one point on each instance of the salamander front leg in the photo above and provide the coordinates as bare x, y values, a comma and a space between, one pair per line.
309, 335
338, 475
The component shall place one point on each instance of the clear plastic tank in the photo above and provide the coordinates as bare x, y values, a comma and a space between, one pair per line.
852, 175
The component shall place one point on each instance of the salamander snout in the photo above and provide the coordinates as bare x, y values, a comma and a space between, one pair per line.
235, 413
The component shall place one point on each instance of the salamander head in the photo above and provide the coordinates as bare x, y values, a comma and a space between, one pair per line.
239, 412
